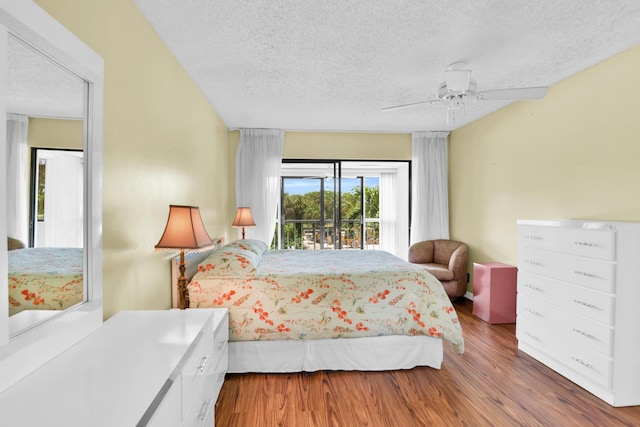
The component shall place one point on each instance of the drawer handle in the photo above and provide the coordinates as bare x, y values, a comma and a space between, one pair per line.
531, 262
584, 273
582, 362
584, 334
532, 287
203, 410
587, 244
203, 363
586, 304
221, 344
530, 335
532, 237
535, 313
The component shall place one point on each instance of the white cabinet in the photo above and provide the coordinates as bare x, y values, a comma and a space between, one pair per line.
200, 379
156, 368
578, 290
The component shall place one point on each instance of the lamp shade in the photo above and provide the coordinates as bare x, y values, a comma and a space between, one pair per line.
184, 230
243, 218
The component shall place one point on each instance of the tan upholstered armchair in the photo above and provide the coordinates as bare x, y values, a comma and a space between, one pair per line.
446, 260
13, 244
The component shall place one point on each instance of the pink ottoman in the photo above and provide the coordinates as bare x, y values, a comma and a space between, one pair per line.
494, 292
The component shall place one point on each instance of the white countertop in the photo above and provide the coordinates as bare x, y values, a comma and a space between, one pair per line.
110, 377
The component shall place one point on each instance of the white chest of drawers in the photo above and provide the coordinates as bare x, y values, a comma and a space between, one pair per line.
577, 309
156, 368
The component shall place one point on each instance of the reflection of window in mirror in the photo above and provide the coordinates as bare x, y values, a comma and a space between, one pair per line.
56, 198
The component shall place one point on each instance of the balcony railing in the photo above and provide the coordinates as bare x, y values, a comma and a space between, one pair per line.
313, 235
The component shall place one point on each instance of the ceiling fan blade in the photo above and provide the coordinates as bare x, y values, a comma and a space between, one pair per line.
398, 107
512, 94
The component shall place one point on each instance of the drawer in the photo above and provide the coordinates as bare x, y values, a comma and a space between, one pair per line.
592, 365
221, 336
219, 373
197, 366
591, 243
169, 412
593, 335
533, 334
594, 274
537, 237
202, 407
592, 304
596, 367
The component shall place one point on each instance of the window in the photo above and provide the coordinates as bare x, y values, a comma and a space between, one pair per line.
336, 205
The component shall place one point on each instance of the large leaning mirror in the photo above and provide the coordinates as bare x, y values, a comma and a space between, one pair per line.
51, 92
45, 227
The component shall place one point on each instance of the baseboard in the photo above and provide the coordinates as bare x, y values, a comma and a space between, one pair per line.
468, 295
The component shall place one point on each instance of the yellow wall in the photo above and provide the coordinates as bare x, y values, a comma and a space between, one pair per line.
52, 133
573, 154
338, 145
163, 144
348, 146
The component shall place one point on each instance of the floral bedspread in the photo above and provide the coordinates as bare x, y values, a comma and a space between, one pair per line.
44, 279
324, 294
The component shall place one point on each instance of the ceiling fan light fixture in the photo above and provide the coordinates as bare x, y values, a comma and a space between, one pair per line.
457, 80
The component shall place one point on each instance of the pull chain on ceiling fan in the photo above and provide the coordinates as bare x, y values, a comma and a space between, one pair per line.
455, 112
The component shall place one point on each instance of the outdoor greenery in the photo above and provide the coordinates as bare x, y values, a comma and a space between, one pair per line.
307, 206
41, 180
302, 220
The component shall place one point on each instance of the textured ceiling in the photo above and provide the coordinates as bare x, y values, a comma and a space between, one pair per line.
333, 64
38, 87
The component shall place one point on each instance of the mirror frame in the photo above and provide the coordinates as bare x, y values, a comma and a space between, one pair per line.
29, 350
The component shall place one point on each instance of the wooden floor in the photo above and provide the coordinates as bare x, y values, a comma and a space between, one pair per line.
491, 384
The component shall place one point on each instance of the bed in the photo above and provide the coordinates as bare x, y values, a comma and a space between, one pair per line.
292, 311
44, 278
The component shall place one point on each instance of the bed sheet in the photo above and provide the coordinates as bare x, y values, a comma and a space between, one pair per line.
45, 278
328, 294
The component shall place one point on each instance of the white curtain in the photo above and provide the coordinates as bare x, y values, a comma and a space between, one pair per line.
258, 179
17, 128
394, 205
430, 193
63, 202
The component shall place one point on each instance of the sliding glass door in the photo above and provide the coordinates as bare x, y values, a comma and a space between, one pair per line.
307, 217
336, 205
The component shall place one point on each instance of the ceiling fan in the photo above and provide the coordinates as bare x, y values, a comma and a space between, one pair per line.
459, 86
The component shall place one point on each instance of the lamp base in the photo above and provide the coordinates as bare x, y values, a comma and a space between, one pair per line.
183, 292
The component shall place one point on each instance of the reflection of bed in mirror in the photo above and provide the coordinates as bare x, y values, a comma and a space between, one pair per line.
44, 279
45, 185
